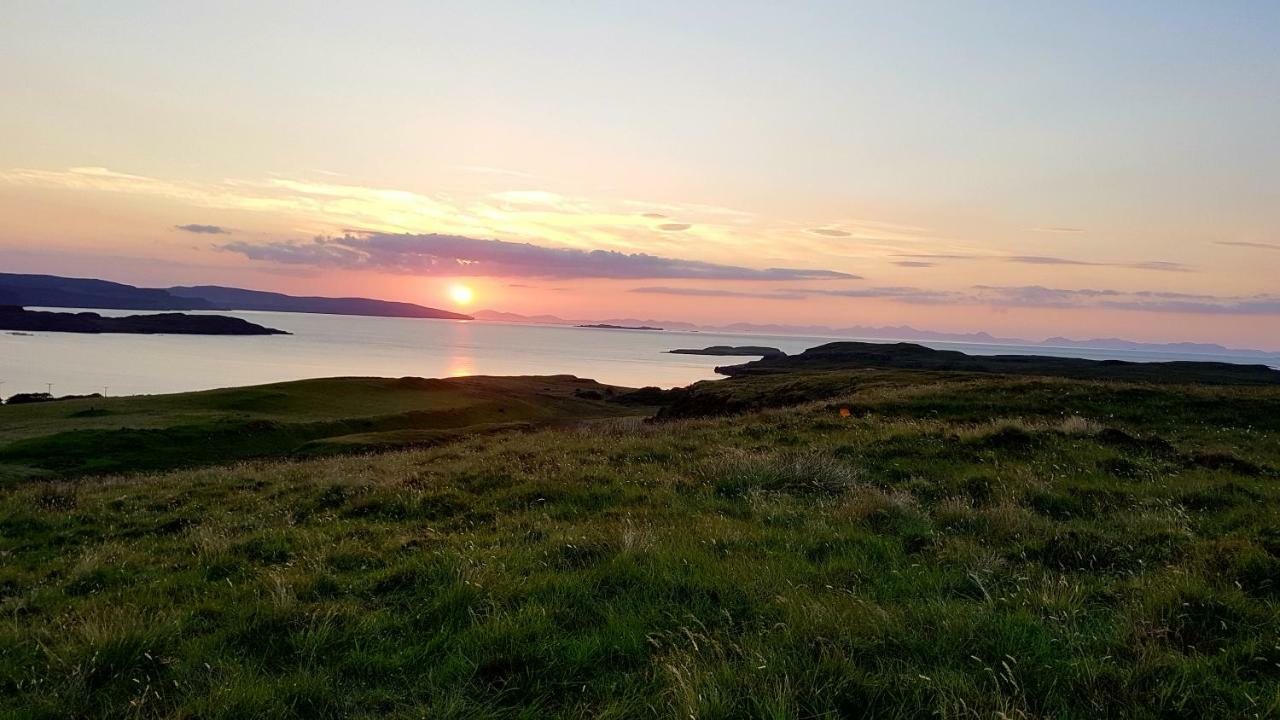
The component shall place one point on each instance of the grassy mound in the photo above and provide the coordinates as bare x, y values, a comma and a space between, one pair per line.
158, 432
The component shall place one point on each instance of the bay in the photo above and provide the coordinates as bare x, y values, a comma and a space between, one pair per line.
341, 345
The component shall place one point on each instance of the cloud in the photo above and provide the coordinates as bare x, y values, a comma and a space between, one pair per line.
830, 232
1158, 265
1057, 229
487, 170
1255, 245
712, 292
674, 227
528, 197
901, 294
203, 229
1038, 295
922, 296
914, 263
939, 256
1041, 260
434, 254
653, 216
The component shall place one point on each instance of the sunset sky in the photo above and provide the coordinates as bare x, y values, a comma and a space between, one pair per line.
1025, 168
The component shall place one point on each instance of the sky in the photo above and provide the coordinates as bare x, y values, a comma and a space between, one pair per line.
1030, 169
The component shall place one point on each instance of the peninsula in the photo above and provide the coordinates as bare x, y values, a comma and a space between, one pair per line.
910, 356
13, 317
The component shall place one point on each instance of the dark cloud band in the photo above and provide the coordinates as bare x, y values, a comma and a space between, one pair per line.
714, 292
203, 229
1157, 265
456, 255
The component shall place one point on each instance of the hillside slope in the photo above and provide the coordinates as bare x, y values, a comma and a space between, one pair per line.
305, 417
905, 546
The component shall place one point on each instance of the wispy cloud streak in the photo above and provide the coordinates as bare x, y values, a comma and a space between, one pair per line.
1244, 244
203, 229
716, 293
1156, 265
1025, 296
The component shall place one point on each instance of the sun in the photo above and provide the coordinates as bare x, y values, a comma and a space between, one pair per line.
461, 294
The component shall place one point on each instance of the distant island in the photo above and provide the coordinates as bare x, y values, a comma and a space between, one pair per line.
56, 291
607, 326
731, 350
16, 318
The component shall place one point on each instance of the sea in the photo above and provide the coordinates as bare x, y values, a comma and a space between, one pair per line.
344, 345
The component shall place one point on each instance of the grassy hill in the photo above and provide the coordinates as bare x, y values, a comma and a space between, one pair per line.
888, 544
155, 432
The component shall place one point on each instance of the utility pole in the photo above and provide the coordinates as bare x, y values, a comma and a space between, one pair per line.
49, 387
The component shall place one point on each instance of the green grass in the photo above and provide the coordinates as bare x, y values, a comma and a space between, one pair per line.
954, 547
100, 435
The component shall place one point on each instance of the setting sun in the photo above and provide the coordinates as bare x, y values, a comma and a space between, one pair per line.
461, 294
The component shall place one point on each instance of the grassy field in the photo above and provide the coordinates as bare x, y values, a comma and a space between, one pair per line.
306, 417
896, 545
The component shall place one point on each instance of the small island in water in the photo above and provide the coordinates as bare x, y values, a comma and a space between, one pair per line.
731, 350
13, 317
607, 326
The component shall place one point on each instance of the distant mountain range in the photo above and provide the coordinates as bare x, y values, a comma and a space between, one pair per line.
55, 291
1119, 344
898, 332
496, 316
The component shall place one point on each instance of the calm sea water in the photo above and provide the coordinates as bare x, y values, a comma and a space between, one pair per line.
334, 345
